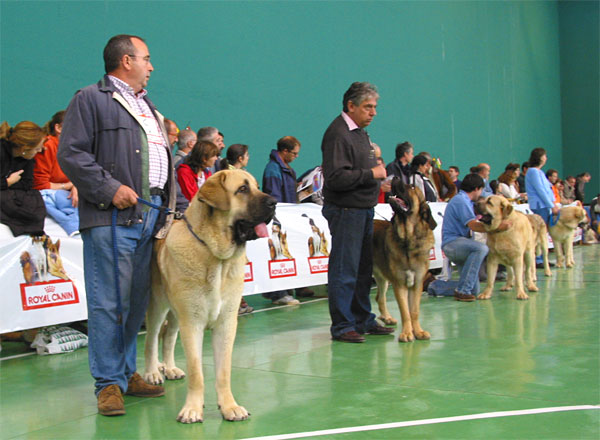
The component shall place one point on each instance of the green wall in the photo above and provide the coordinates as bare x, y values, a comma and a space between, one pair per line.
468, 81
580, 90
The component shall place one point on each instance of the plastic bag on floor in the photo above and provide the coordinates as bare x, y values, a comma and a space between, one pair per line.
55, 339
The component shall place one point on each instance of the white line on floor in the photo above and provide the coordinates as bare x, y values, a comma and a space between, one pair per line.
489, 415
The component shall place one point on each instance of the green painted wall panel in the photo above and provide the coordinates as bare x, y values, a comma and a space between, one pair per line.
469, 81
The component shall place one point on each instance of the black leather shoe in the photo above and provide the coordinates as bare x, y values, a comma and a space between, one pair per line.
350, 336
465, 297
379, 330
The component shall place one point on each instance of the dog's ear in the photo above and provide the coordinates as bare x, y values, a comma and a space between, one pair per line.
507, 208
425, 213
214, 193
57, 244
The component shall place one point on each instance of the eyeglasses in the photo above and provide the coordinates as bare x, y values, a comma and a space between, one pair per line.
146, 58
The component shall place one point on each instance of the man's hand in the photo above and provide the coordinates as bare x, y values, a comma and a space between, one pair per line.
555, 209
386, 186
504, 226
74, 196
14, 177
124, 197
379, 172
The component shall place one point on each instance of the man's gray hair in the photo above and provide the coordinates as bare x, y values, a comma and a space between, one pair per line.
207, 133
185, 136
358, 92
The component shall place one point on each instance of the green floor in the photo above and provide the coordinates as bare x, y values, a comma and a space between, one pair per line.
483, 357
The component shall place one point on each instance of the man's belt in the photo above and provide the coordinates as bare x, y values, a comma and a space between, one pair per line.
157, 192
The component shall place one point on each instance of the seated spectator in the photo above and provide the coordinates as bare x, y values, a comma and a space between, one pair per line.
193, 172
580, 182
212, 134
186, 140
483, 169
172, 132
440, 178
237, 157
568, 193
453, 172
521, 178
552, 176
507, 183
401, 165
386, 185
21, 207
59, 194
420, 170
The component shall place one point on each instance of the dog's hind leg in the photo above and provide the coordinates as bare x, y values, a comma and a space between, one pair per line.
544, 245
401, 293
223, 335
169, 368
518, 268
192, 336
530, 269
382, 286
569, 251
510, 279
560, 258
492, 270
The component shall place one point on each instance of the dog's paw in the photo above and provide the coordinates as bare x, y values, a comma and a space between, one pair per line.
174, 373
422, 335
532, 288
406, 337
153, 378
484, 295
190, 414
570, 265
235, 413
388, 320
506, 288
547, 273
522, 295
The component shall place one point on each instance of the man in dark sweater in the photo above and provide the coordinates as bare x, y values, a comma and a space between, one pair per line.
352, 178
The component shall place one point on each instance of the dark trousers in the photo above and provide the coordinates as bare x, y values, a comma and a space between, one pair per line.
350, 268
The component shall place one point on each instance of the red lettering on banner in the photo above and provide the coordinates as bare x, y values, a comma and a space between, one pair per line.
44, 294
282, 268
318, 264
248, 273
432, 253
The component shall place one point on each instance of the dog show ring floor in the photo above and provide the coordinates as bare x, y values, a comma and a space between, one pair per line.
496, 369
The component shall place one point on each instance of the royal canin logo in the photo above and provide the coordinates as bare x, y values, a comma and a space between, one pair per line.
50, 289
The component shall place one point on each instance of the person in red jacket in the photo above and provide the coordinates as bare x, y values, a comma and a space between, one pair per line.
59, 194
193, 172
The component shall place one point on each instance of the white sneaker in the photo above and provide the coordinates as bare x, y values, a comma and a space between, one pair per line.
286, 300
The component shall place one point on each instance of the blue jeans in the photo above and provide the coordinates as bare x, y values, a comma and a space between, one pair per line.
350, 269
468, 255
110, 362
61, 209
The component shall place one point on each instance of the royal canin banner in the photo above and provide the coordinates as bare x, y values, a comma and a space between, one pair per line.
43, 283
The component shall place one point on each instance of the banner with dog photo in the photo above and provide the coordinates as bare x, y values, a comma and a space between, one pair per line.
42, 279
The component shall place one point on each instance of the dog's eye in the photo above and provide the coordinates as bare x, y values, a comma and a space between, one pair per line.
243, 189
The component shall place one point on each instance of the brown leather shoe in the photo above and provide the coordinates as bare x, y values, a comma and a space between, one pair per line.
138, 387
304, 292
110, 401
379, 330
350, 336
465, 297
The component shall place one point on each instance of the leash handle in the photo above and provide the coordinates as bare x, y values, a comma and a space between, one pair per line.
166, 210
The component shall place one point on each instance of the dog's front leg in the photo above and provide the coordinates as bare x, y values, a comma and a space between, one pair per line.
223, 336
558, 248
570, 262
401, 293
414, 298
155, 316
518, 268
530, 269
492, 270
191, 337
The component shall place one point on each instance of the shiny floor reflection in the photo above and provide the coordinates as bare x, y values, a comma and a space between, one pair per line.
487, 356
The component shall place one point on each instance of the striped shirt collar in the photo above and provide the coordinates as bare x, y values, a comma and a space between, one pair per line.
126, 89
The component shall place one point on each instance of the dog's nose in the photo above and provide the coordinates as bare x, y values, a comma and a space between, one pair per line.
271, 202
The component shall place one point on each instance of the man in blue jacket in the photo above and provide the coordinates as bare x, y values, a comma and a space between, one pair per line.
279, 181
114, 149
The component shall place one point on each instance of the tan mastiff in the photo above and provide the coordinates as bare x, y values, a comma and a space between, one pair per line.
401, 257
198, 274
562, 234
511, 247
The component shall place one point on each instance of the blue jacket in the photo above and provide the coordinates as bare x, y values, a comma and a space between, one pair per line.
279, 180
539, 189
103, 146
